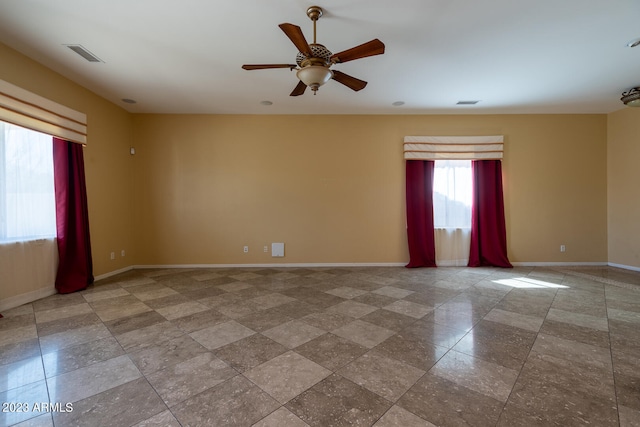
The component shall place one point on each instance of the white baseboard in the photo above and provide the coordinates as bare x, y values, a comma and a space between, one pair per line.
283, 265
25, 298
559, 264
113, 273
626, 267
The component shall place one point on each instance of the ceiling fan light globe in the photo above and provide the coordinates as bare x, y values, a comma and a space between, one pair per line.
631, 98
314, 76
633, 103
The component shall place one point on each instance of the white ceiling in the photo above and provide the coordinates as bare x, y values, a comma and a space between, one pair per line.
184, 56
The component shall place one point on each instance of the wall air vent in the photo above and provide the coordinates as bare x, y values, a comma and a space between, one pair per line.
467, 102
82, 51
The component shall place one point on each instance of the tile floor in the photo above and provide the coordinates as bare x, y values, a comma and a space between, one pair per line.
329, 347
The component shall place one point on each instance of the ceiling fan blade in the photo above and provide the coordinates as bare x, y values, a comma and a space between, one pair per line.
295, 35
267, 66
349, 81
373, 47
299, 90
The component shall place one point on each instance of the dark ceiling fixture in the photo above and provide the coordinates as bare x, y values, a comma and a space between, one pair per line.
631, 98
313, 61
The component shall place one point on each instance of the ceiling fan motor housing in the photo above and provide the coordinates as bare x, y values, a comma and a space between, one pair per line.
318, 51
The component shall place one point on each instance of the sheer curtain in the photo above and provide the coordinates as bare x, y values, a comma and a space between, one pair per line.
27, 200
28, 252
452, 197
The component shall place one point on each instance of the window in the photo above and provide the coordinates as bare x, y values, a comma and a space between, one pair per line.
27, 199
452, 194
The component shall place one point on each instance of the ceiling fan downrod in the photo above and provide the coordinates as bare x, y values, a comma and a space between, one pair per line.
314, 13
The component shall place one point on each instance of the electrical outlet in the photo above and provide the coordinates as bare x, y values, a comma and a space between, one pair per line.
122, 253
563, 248
266, 249
245, 249
113, 256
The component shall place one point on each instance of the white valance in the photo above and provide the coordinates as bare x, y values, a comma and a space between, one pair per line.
23, 108
453, 147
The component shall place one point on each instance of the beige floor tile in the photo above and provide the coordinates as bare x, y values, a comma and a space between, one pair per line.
221, 334
250, 352
73, 337
91, 380
352, 308
363, 333
409, 308
148, 336
393, 292
24, 398
293, 333
237, 401
163, 419
108, 408
62, 312
279, 418
346, 292
21, 373
490, 379
336, 401
181, 381
181, 310
382, 375
396, 416
530, 323
330, 346
287, 375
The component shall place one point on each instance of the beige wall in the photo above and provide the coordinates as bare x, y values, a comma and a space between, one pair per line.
108, 164
623, 178
332, 187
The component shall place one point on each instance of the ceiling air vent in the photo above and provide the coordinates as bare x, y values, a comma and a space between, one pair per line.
467, 102
82, 51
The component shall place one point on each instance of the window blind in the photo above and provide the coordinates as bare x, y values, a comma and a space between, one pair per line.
453, 147
23, 108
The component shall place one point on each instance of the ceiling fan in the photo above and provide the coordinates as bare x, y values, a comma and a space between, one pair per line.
313, 61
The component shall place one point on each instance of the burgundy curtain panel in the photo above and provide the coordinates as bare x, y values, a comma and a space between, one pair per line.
488, 230
422, 248
75, 268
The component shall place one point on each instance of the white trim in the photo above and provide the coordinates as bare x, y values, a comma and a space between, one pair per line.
26, 298
452, 155
557, 264
113, 273
284, 265
453, 147
483, 139
625, 267
23, 108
